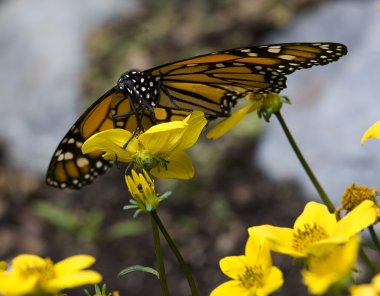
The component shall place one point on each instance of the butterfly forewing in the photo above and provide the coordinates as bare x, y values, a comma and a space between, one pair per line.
203, 81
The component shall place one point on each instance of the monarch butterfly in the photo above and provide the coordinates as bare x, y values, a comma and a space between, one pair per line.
211, 83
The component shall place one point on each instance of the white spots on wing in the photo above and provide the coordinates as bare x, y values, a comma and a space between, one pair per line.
82, 162
68, 156
287, 57
274, 49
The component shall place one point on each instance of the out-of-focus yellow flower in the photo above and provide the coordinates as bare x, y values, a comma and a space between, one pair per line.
252, 274
265, 104
142, 190
316, 230
372, 289
333, 268
355, 195
372, 132
159, 150
29, 274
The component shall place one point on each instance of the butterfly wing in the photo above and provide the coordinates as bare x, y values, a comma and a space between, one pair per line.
68, 166
211, 83
214, 82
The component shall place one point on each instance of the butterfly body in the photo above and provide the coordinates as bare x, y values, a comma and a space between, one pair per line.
212, 83
141, 87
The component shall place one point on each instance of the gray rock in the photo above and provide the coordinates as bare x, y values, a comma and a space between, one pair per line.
42, 56
332, 105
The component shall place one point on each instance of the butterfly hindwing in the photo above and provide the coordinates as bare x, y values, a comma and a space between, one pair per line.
68, 166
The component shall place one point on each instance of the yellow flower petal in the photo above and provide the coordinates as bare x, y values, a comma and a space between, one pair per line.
273, 282
176, 135
24, 261
74, 280
359, 218
332, 267
279, 238
372, 132
230, 288
372, 289
226, 124
196, 122
163, 138
363, 290
166, 127
16, 285
232, 266
257, 250
111, 142
180, 166
316, 214
73, 263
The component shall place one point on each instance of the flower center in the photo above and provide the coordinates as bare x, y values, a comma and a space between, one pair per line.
355, 194
252, 277
44, 270
308, 235
149, 161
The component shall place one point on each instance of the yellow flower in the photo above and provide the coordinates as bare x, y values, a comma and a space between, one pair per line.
331, 268
252, 274
354, 195
142, 190
372, 132
372, 289
316, 230
159, 150
30, 274
265, 104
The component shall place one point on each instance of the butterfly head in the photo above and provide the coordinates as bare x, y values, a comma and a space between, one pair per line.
140, 86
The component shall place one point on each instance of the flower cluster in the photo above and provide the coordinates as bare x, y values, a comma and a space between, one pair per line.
327, 246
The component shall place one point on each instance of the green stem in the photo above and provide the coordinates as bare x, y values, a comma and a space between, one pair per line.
374, 237
367, 261
305, 165
177, 254
159, 256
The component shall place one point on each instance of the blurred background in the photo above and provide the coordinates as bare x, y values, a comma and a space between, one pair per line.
56, 57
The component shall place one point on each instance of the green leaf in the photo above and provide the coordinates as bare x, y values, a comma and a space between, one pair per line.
139, 268
58, 216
